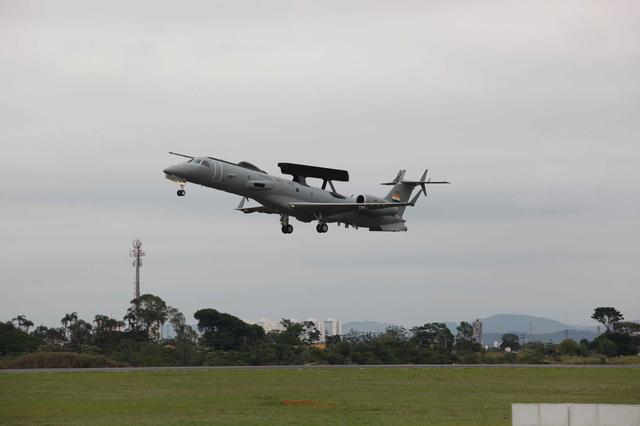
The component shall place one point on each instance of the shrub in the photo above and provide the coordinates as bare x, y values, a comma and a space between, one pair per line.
61, 360
532, 358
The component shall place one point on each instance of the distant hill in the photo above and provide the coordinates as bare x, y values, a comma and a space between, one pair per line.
505, 323
545, 329
378, 327
556, 337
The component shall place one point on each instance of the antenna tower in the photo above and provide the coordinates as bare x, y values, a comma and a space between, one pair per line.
137, 253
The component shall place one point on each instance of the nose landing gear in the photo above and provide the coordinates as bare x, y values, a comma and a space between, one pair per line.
181, 192
322, 228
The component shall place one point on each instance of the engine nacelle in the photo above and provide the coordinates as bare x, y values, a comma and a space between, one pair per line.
366, 198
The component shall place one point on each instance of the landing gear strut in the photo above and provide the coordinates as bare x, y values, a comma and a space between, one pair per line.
287, 228
181, 191
322, 228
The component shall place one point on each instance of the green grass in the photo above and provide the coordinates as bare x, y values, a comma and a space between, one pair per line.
359, 396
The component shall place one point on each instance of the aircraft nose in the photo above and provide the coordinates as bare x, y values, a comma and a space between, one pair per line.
172, 170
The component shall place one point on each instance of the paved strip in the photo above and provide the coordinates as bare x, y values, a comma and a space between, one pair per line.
312, 367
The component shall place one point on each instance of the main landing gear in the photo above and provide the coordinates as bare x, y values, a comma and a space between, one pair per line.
322, 228
287, 228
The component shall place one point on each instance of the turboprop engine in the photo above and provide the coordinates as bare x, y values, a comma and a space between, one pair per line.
366, 198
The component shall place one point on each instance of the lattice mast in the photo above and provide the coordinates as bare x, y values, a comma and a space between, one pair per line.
137, 253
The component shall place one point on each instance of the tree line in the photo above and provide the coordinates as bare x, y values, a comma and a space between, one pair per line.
223, 339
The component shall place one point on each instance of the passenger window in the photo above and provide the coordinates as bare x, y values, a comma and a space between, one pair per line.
205, 163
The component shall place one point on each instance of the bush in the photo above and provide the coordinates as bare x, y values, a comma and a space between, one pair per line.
532, 358
16, 341
630, 359
470, 358
580, 360
60, 360
568, 347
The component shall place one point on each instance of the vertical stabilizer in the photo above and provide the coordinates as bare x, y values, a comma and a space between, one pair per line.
402, 189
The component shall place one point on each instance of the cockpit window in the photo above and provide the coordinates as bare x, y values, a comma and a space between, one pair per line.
205, 163
191, 161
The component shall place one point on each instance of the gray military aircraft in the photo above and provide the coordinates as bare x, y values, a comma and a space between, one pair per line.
295, 198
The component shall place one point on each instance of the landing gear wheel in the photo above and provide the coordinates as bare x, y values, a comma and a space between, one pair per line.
322, 228
181, 192
286, 227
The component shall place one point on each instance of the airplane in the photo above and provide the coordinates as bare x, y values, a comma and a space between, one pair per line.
295, 198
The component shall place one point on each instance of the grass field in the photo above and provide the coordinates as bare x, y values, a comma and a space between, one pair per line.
310, 396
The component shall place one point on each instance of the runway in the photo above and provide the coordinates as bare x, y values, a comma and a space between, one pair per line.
309, 367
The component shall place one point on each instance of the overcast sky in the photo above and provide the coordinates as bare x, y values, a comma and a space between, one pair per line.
530, 108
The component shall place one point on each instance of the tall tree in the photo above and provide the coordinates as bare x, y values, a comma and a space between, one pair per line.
628, 327
147, 314
184, 332
67, 320
511, 341
107, 331
50, 336
21, 322
80, 333
298, 333
435, 336
225, 331
607, 316
464, 339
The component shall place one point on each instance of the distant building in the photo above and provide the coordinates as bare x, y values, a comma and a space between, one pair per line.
332, 327
269, 325
477, 331
167, 332
328, 327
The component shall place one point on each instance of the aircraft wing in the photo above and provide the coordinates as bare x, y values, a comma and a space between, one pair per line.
343, 207
257, 209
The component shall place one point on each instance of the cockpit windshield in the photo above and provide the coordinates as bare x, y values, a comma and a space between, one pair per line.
199, 162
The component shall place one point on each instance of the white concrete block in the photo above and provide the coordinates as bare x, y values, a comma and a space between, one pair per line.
525, 414
583, 414
619, 415
575, 415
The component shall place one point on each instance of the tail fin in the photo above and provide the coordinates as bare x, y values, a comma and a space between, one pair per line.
402, 189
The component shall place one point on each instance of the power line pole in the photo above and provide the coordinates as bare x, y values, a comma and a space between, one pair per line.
137, 253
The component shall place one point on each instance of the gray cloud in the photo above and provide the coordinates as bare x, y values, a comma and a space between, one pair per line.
531, 109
